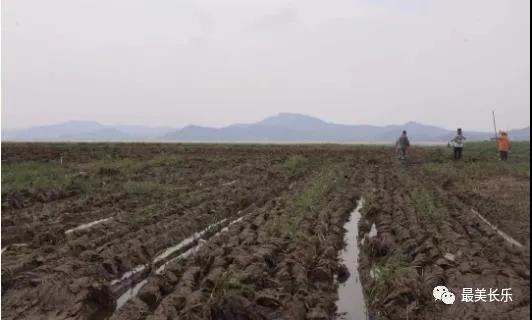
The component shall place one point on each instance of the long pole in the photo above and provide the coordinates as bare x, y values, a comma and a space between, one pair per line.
494, 123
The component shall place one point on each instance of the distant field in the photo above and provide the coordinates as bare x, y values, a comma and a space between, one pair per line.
213, 231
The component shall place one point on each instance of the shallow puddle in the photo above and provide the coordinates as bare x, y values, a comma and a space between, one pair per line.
87, 225
350, 304
505, 236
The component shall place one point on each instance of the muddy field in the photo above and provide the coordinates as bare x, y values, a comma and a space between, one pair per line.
149, 231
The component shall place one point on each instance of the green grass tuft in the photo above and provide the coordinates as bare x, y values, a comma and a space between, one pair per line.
34, 176
295, 165
426, 209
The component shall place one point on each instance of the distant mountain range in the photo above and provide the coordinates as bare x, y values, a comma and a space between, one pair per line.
284, 127
85, 131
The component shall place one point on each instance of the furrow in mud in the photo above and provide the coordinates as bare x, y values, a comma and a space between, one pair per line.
506, 237
259, 267
93, 257
413, 252
130, 283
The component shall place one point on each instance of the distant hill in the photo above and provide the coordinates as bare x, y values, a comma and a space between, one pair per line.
84, 131
289, 127
283, 127
53, 132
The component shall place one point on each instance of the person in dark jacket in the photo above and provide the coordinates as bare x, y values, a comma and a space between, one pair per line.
402, 145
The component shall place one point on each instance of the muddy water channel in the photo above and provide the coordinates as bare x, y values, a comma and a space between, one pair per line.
351, 305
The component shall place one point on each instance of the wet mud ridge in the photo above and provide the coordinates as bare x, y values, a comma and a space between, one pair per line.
259, 268
84, 249
431, 238
128, 286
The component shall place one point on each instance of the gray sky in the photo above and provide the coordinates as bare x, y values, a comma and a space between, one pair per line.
212, 62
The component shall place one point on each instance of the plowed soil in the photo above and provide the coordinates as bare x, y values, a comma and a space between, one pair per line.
272, 219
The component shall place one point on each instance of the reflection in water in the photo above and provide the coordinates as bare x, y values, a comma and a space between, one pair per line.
350, 302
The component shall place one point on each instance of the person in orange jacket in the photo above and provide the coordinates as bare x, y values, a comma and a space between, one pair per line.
504, 145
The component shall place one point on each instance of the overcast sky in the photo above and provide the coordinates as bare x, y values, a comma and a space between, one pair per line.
215, 62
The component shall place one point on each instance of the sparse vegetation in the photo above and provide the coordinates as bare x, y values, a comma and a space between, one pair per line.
385, 274
426, 209
35, 176
306, 203
295, 165
480, 161
226, 284
144, 188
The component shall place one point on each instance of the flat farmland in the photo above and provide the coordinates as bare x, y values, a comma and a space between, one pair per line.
184, 231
